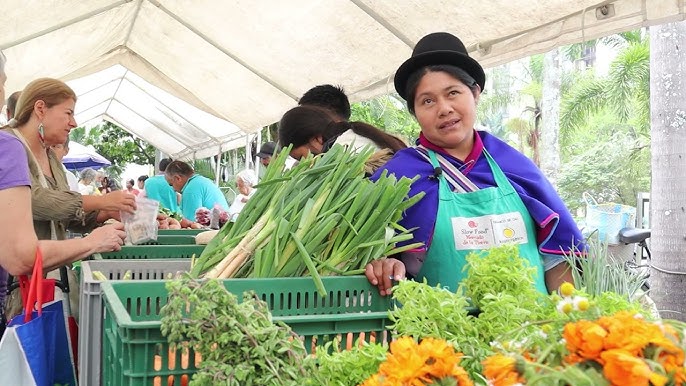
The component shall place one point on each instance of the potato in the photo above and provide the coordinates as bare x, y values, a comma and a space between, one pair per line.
186, 223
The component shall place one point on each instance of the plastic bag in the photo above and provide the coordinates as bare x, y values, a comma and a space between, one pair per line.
141, 226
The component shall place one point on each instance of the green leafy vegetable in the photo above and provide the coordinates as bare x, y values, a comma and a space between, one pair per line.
238, 342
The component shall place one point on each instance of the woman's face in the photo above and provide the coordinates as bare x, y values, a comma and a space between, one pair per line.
58, 121
243, 188
314, 146
446, 111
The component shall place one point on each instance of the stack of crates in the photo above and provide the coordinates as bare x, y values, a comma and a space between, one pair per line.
172, 253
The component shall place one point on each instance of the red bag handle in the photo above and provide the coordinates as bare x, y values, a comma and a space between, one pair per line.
32, 290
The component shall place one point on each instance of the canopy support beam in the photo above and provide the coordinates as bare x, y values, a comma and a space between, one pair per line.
64, 24
383, 22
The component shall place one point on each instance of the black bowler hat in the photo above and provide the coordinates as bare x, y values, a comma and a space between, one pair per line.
267, 150
438, 48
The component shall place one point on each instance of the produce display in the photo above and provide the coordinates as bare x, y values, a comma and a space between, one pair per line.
205, 217
518, 336
167, 219
237, 341
322, 217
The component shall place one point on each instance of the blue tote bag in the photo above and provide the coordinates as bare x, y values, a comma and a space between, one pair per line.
35, 351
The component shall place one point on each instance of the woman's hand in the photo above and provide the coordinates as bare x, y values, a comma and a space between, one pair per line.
383, 272
119, 201
107, 238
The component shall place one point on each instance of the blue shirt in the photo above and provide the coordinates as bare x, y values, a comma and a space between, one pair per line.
200, 192
157, 188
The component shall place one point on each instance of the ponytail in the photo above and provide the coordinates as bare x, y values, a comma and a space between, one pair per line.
381, 138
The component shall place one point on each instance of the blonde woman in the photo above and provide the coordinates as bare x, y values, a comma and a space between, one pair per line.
44, 117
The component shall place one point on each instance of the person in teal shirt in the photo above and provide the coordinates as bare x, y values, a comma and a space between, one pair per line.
157, 188
196, 191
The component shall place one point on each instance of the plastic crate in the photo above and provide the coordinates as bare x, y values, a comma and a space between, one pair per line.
129, 252
136, 353
180, 232
91, 311
172, 240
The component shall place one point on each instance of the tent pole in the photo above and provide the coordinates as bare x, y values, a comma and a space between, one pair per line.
217, 166
257, 160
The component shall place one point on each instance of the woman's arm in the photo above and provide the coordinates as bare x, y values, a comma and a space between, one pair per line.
554, 277
18, 239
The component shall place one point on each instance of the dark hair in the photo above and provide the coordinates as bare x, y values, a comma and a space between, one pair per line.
179, 168
302, 123
142, 178
164, 163
12, 103
132, 182
455, 72
329, 97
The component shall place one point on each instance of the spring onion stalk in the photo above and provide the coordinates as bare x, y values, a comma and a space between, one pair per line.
321, 217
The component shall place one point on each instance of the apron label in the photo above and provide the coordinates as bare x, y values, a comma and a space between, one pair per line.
489, 231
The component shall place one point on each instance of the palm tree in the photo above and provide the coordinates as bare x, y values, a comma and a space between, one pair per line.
625, 90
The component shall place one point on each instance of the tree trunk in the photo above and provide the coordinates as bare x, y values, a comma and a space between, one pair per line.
549, 146
668, 163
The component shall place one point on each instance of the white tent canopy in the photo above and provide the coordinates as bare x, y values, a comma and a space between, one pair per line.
152, 65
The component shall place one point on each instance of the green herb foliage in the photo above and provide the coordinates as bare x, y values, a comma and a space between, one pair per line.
338, 367
238, 342
514, 316
499, 270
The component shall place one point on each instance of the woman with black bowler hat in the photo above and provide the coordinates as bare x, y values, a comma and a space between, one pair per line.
480, 192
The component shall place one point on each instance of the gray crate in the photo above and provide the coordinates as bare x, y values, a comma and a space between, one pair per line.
91, 305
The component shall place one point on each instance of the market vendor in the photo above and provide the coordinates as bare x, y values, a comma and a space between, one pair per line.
196, 191
479, 191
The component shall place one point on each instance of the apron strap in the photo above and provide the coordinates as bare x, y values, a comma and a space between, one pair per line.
453, 176
41, 177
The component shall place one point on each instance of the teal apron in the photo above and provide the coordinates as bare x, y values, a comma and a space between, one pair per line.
476, 221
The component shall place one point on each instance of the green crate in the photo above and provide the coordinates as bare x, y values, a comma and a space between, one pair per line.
131, 326
129, 252
180, 232
172, 240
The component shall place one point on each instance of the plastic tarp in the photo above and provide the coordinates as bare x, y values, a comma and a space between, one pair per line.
247, 62
81, 157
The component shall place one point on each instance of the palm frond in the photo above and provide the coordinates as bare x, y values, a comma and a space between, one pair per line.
588, 97
204, 168
493, 104
629, 72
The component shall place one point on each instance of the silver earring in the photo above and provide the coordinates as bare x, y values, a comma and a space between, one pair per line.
41, 130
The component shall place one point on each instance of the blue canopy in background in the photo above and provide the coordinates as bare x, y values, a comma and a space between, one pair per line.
81, 157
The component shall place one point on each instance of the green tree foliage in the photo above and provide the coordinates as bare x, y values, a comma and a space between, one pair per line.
604, 123
117, 145
389, 113
609, 160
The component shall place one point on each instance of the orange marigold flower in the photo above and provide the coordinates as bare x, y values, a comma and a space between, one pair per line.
500, 370
623, 368
462, 377
441, 359
404, 362
374, 380
584, 339
674, 365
